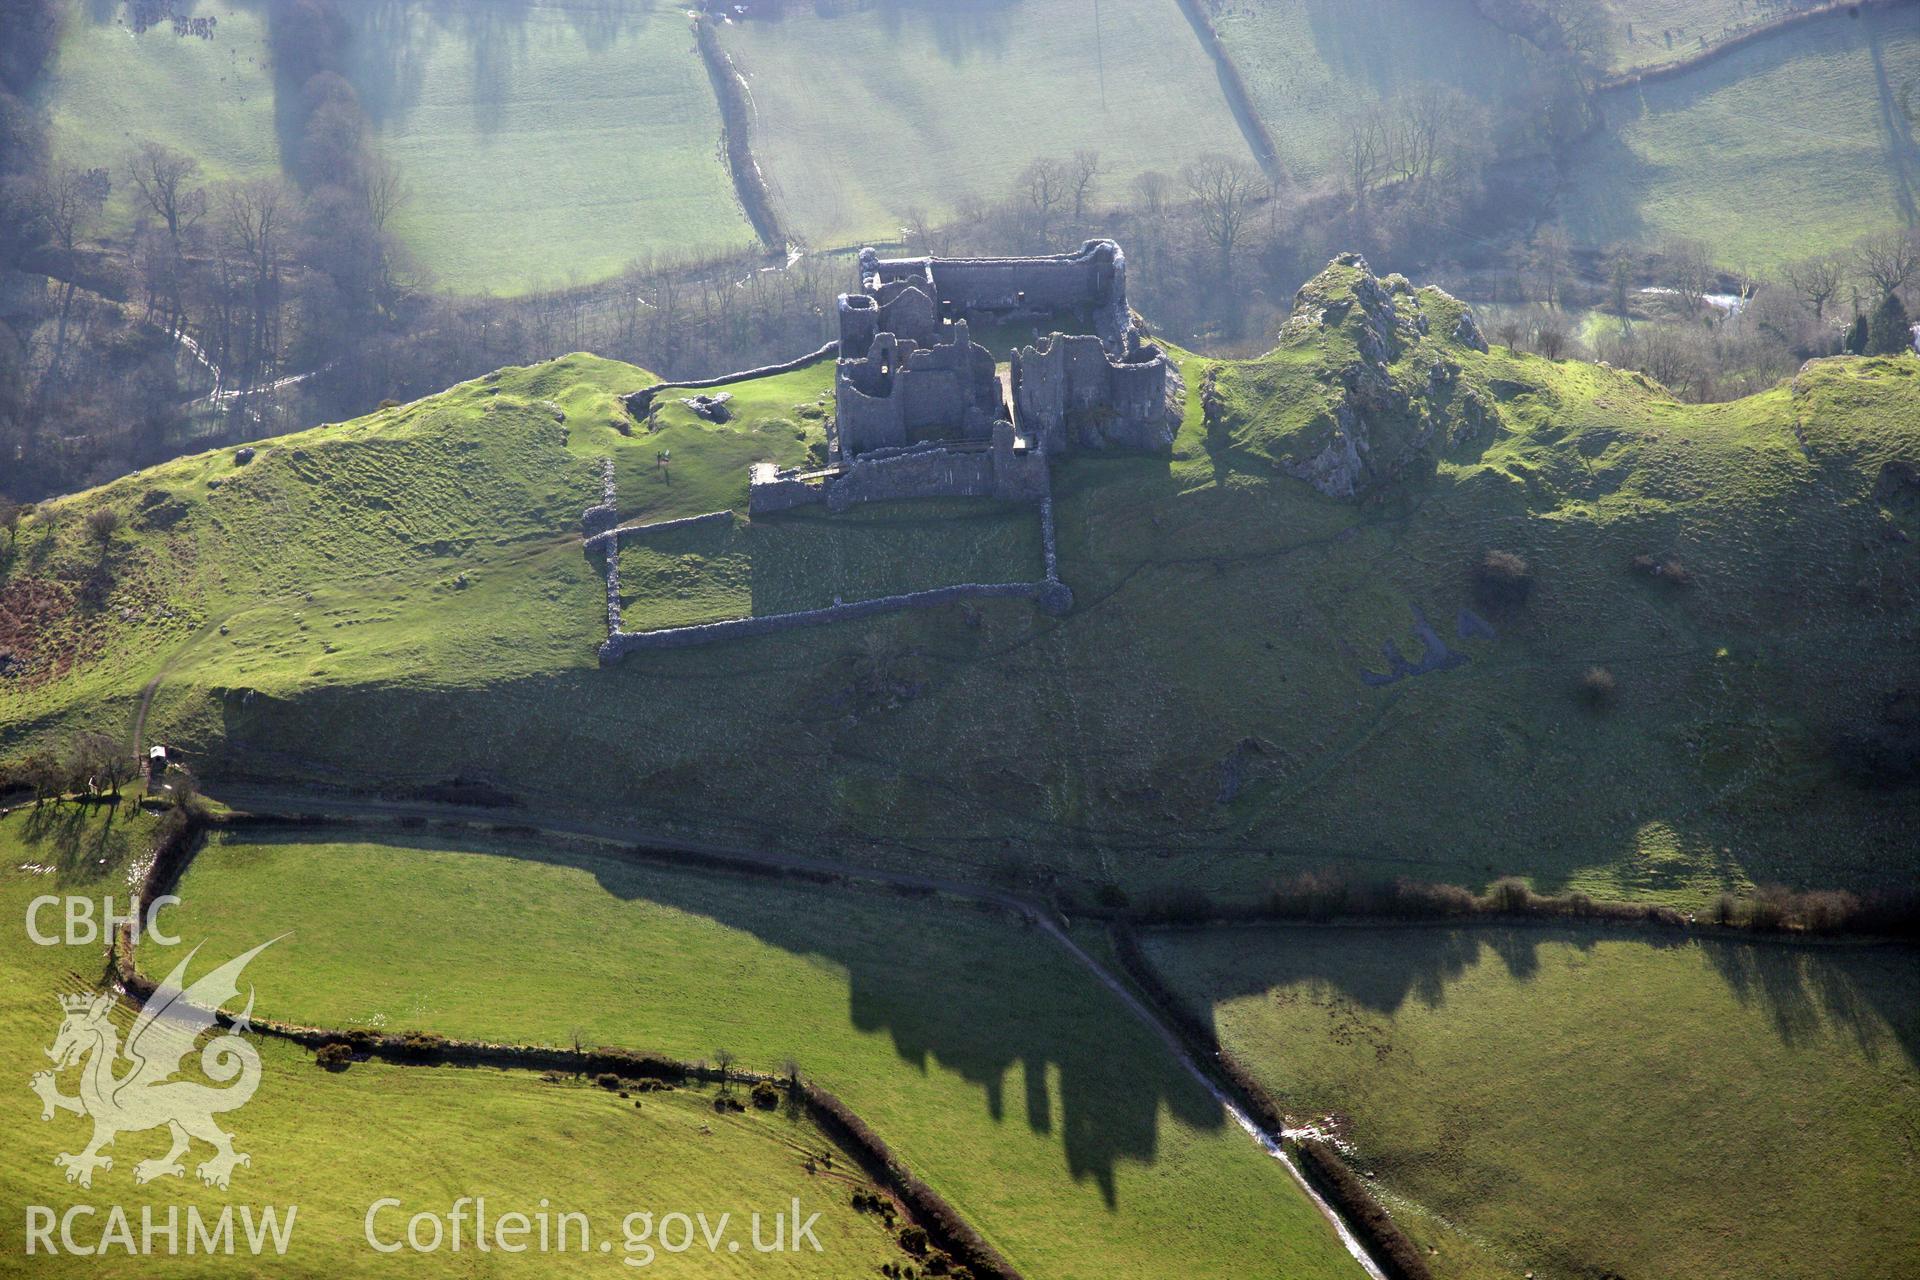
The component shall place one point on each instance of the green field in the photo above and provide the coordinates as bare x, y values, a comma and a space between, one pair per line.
985, 1057
1649, 33
333, 1143
546, 143
864, 116
1574, 1103
809, 560
1308, 62
1781, 149
110, 90
405, 601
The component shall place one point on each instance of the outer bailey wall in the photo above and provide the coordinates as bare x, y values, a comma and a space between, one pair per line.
622, 643
999, 284
783, 495
932, 473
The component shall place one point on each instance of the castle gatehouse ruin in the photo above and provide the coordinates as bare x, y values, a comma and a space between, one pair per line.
922, 408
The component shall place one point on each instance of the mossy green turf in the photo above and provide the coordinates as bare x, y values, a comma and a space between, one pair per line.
1308, 63
1791, 145
332, 1144
548, 143
864, 116
1574, 1103
810, 559
990, 1062
453, 620
109, 90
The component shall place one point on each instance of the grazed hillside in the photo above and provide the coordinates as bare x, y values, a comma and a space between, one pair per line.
402, 601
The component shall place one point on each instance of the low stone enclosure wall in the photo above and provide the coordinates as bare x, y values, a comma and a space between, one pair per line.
1049, 592
1054, 597
640, 402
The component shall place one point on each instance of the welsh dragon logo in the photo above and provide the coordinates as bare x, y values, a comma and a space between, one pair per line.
146, 1095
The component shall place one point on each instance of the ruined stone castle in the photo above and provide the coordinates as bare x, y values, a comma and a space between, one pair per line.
923, 409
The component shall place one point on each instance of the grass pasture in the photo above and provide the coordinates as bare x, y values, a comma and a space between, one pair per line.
110, 90
1308, 62
1573, 1103
1651, 33
982, 1054
331, 1144
545, 143
1784, 148
866, 114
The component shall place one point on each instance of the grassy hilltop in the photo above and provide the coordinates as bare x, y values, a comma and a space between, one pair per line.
402, 600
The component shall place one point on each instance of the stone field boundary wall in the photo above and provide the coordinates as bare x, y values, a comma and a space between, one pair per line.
641, 401
614, 537
1052, 596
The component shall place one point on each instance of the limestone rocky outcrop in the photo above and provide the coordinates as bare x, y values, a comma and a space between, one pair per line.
1395, 394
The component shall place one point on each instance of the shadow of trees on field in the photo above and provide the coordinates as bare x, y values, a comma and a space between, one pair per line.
391, 42
979, 1020
1903, 155
74, 838
1870, 993
957, 990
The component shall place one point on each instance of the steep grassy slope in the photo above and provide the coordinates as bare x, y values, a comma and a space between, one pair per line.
109, 90
1653, 1107
546, 143
406, 602
986, 1057
332, 1144
865, 115
1779, 149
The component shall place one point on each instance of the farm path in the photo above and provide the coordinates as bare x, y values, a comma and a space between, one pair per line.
273, 801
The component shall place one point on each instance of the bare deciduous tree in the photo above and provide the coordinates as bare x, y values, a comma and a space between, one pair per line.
1816, 280
1364, 147
1689, 265
1549, 258
387, 191
1888, 260
1224, 191
1083, 174
164, 178
255, 217
1046, 186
